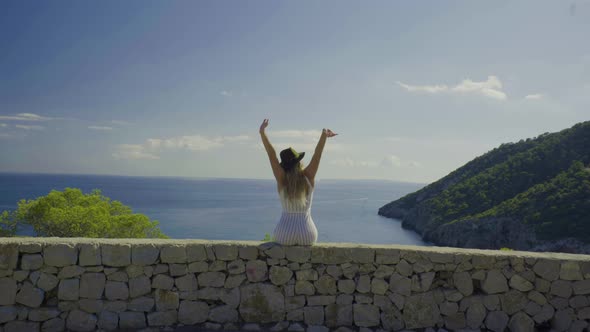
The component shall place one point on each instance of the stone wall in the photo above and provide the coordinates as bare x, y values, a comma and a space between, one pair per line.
52, 284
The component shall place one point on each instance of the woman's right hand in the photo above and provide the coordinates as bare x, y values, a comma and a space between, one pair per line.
328, 132
263, 125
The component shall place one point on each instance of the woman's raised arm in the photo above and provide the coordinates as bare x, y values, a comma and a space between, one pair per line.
277, 170
311, 169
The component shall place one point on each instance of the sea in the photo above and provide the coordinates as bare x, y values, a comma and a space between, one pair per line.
232, 209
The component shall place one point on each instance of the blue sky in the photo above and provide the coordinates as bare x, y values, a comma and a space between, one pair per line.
179, 88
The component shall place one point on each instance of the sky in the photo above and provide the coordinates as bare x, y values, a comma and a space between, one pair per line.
414, 89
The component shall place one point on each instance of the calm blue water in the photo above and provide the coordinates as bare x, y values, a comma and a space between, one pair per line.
232, 209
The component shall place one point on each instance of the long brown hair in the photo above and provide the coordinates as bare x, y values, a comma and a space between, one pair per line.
294, 184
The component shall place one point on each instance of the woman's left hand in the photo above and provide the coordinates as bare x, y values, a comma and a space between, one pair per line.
263, 125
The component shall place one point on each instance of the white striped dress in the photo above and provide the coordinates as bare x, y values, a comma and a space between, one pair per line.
296, 226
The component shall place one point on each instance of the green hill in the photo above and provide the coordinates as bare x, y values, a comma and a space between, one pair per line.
519, 195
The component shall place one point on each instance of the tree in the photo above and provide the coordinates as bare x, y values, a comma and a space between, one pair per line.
71, 213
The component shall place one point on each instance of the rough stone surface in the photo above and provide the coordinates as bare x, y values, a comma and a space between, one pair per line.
116, 254
7, 291
494, 283
193, 312
90, 254
420, 311
81, 321
261, 303
366, 315
132, 320
92, 285
173, 254
31, 262
521, 322
30, 295
60, 255
69, 289
211, 279
162, 281
116, 290
162, 318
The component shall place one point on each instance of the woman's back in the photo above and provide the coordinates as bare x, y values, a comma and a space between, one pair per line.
297, 206
296, 226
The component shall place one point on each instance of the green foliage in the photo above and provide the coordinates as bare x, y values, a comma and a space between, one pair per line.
70, 213
268, 238
505, 249
540, 181
8, 224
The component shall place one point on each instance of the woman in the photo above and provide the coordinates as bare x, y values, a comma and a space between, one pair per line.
295, 186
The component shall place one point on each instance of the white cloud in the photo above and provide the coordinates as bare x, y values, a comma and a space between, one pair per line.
102, 128
3, 125
350, 163
152, 147
24, 117
226, 93
32, 127
391, 161
133, 152
491, 88
120, 122
533, 96
305, 134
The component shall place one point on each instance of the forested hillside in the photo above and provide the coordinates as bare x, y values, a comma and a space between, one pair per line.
539, 186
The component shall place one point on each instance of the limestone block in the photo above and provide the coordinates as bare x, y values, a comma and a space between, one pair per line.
581, 287
144, 254
313, 315
256, 271
197, 267
116, 254
379, 286
559, 302
142, 303
404, 268
483, 262
321, 300
118, 276
30, 295
210, 293
7, 291
545, 314
90, 254
132, 320
92, 285
327, 285
116, 290
186, 283
561, 288
217, 266
166, 300
362, 255
496, 321
294, 302
171, 253
463, 283
584, 313
400, 284
223, 314
455, 321
31, 262
226, 252
231, 297
384, 271
162, 318
54, 325
537, 297
579, 301
115, 306
161, 281
195, 253
134, 271
475, 315
108, 320
420, 311
495, 282
8, 313
532, 308
280, 275
346, 286
177, 270
233, 281
81, 321
249, 253
91, 305
71, 271
307, 274
520, 283
448, 308
140, 286
277, 252
397, 299
261, 303
422, 282
521, 322
8, 256
366, 315
547, 269
513, 301
62, 254
30, 248
387, 256
211, 279
326, 255
338, 315
236, 267
570, 271
193, 312
19, 326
